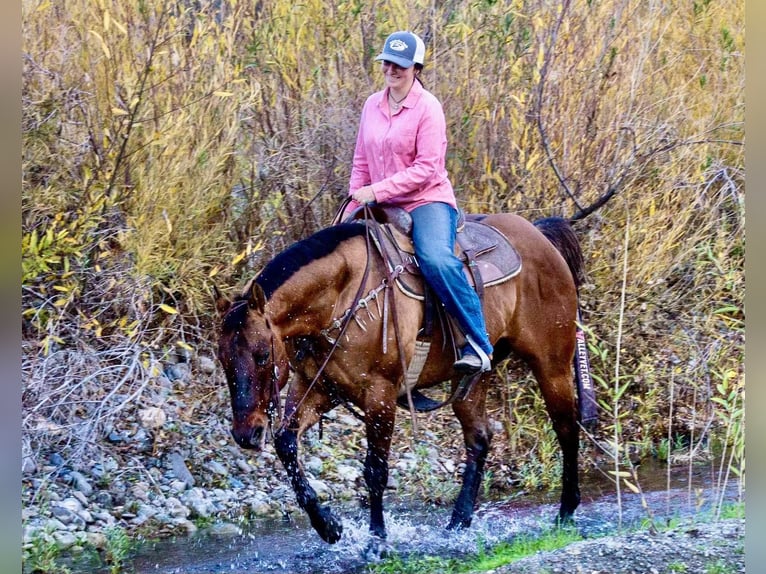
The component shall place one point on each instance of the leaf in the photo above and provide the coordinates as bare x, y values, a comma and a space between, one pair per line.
214, 271
184, 345
620, 473
168, 309
104, 47
631, 486
222, 94
239, 257
119, 112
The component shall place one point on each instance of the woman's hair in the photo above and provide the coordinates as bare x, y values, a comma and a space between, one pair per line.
418, 69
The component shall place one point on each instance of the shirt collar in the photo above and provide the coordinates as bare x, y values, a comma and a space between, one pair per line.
412, 96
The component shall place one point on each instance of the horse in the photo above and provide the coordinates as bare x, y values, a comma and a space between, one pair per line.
289, 316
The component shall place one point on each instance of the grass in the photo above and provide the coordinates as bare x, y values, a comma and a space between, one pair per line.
487, 559
483, 559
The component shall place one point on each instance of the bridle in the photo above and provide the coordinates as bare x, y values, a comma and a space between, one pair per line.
274, 405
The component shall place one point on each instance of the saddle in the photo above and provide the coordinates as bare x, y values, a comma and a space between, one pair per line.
489, 257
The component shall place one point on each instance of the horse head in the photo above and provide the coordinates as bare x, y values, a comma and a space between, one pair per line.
254, 362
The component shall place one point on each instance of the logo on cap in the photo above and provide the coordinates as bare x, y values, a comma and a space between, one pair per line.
397, 44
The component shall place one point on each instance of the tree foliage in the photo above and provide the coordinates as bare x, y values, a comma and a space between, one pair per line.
167, 145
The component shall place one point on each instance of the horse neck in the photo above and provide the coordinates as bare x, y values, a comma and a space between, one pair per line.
305, 303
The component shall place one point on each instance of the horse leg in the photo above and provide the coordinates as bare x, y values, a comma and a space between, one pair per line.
327, 525
380, 414
561, 403
472, 414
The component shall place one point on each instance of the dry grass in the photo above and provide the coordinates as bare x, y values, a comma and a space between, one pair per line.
167, 146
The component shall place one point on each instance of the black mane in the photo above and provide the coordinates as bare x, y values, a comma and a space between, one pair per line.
299, 254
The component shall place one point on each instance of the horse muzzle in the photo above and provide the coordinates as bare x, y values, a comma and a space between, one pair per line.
249, 437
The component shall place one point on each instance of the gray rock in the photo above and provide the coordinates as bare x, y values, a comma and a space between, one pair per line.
198, 504
178, 465
348, 473
178, 372
225, 529
176, 509
178, 485
322, 489
217, 468
140, 491
206, 365
56, 459
28, 465
64, 539
96, 539
314, 465
81, 483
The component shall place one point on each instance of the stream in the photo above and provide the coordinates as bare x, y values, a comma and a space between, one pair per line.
290, 546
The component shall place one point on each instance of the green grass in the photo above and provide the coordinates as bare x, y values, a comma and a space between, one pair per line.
484, 559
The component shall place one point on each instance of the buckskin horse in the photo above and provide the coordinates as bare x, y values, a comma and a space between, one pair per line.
312, 310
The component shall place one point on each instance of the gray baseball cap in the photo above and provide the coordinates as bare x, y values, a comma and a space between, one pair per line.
403, 49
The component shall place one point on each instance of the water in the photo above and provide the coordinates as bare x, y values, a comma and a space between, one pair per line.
292, 547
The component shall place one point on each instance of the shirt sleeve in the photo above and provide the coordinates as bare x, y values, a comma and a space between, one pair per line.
360, 168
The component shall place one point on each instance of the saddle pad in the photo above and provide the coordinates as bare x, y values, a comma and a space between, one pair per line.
495, 256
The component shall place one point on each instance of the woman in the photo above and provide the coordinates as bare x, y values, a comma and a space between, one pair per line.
399, 160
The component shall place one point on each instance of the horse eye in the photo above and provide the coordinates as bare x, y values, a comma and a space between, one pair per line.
261, 358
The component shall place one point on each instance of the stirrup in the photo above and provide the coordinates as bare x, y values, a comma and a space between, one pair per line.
467, 364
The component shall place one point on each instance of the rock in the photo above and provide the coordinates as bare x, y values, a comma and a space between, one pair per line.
64, 539
178, 372
259, 504
56, 459
348, 473
178, 465
96, 539
115, 437
176, 509
152, 417
140, 491
206, 365
28, 465
314, 465
81, 483
104, 499
178, 485
53, 524
217, 468
81, 497
322, 489
225, 529
63, 514
72, 504
187, 525
200, 505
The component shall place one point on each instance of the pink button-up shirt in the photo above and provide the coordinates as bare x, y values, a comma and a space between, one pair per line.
402, 155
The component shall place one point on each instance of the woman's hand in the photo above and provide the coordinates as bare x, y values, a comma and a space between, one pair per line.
363, 195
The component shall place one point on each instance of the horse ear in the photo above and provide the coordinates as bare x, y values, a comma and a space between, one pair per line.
257, 299
222, 302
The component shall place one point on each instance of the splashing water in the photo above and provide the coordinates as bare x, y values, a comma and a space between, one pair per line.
292, 547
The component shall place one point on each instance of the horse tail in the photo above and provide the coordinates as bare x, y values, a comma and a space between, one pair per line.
562, 235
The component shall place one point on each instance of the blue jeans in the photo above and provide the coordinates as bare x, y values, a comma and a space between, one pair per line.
434, 227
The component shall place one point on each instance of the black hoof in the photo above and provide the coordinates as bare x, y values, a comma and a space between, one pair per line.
565, 521
377, 549
459, 524
327, 525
